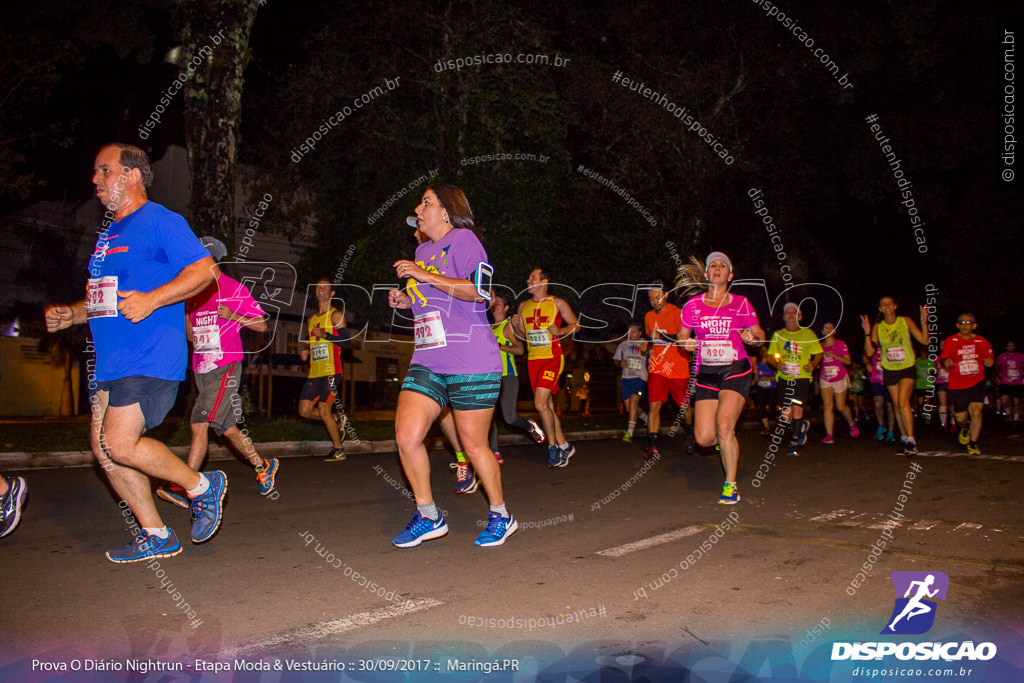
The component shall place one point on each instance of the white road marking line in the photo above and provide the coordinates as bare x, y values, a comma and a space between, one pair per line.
967, 525
620, 550
883, 522
957, 454
327, 629
925, 524
829, 516
856, 520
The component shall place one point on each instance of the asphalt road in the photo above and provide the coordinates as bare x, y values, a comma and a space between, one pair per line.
614, 562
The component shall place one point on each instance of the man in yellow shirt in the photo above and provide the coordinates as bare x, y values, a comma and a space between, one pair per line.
794, 352
540, 322
323, 388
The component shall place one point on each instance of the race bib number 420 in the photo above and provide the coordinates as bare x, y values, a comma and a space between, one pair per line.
101, 297
717, 353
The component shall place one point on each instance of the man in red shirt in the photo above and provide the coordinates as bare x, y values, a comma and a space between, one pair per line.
966, 355
668, 369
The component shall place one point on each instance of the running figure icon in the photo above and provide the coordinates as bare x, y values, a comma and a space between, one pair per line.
915, 607
917, 594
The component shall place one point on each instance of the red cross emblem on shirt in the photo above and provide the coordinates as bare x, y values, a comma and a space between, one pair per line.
537, 319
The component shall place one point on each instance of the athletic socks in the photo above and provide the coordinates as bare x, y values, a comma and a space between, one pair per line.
204, 486
460, 456
428, 510
500, 509
632, 426
162, 532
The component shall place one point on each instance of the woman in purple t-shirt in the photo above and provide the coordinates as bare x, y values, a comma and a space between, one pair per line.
715, 326
456, 361
834, 381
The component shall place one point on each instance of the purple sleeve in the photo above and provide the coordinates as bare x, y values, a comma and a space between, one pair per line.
466, 253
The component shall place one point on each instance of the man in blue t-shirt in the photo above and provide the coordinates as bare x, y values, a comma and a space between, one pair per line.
146, 263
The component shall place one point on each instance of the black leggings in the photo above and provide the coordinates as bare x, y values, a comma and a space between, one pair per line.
507, 400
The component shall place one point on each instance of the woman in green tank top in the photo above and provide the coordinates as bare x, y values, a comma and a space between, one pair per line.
892, 334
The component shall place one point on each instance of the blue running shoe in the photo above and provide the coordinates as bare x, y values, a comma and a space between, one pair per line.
880, 433
146, 546
207, 508
730, 494
804, 427
265, 477
10, 504
497, 530
174, 494
554, 457
420, 529
566, 455
465, 478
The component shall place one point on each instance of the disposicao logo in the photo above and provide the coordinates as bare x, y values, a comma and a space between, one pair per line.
912, 614
914, 611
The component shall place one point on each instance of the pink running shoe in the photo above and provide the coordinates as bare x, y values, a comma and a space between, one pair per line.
854, 430
828, 439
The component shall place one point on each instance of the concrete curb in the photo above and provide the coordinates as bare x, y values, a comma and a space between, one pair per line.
271, 449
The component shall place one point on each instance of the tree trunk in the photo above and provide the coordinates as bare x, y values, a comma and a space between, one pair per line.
215, 51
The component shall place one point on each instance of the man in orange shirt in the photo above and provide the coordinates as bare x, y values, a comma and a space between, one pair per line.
669, 366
